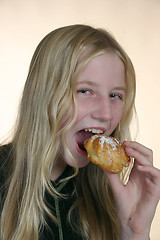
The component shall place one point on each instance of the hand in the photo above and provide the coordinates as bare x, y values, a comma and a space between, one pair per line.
137, 201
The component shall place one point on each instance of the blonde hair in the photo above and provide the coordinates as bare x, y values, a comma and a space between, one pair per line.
44, 118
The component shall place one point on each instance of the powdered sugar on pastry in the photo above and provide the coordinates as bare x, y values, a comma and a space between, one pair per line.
107, 152
109, 141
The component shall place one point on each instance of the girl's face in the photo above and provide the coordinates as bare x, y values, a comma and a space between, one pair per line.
100, 95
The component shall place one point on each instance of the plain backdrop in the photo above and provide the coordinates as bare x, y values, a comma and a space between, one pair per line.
134, 23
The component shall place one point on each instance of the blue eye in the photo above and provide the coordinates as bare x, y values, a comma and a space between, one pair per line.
113, 95
84, 91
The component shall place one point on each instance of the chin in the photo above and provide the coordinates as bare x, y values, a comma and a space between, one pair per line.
81, 162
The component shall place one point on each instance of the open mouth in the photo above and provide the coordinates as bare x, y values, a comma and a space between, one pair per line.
84, 135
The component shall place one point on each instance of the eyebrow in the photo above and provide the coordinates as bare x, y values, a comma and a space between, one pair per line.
90, 83
120, 88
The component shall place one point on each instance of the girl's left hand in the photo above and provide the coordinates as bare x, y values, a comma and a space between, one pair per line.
137, 201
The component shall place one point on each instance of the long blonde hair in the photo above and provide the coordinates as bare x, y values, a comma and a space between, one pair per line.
49, 93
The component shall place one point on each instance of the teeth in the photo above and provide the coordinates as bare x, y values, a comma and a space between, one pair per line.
93, 130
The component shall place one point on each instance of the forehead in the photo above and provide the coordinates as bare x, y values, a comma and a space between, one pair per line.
107, 66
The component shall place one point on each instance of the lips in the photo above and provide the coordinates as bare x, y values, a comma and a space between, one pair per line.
83, 135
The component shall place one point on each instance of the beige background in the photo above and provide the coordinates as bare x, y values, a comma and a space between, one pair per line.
135, 24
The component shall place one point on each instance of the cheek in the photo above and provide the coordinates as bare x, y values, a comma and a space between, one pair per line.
82, 111
117, 114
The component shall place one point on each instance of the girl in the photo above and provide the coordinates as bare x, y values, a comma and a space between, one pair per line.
80, 82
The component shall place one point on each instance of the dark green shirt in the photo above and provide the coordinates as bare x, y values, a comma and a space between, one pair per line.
59, 206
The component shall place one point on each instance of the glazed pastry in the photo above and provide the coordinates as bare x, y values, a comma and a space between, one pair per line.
107, 152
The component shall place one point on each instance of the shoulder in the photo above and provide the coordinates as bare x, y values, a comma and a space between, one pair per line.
5, 156
5, 150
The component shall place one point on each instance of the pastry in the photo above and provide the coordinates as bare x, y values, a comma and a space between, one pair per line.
107, 152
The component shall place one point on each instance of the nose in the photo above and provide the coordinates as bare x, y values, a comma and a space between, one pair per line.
102, 110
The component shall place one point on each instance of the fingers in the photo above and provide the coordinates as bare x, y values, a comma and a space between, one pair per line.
153, 172
142, 154
144, 164
115, 183
152, 181
142, 173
